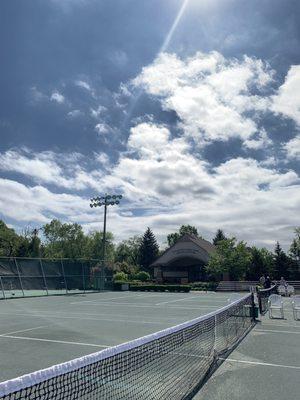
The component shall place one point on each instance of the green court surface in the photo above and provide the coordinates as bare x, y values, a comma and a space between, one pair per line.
266, 364
36, 333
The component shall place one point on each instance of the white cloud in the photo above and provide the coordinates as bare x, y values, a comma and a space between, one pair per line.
262, 141
74, 113
103, 128
62, 170
97, 112
57, 97
287, 100
162, 179
36, 203
211, 95
119, 58
292, 148
84, 85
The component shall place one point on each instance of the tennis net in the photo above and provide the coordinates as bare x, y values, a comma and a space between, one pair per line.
263, 297
170, 364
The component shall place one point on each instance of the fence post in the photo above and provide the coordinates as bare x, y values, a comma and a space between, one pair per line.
63, 271
44, 278
2, 288
83, 276
21, 284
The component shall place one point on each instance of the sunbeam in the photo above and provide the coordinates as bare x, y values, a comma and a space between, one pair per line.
170, 34
163, 48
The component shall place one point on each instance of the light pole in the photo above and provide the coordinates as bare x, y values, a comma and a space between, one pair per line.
107, 200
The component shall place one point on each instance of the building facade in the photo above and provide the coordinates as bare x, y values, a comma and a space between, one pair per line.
184, 261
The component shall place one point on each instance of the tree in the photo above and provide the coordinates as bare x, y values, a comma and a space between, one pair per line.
184, 229
148, 250
129, 251
282, 263
9, 241
64, 240
219, 236
93, 247
230, 257
294, 253
262, 262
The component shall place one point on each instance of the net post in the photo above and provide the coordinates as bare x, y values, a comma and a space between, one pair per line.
63, 271
253, 306
2, 288
44, 278
21, 284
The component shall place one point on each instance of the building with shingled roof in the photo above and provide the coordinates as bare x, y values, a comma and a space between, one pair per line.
184, 261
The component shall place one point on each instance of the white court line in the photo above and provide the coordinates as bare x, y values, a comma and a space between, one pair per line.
173, 301
259, 363
275, 331
106, 299
283, 325
147, 306
24, 330
43, 316
50, 313
53, 341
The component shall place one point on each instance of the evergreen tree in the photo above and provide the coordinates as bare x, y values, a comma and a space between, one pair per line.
148, 250
262, 262
281, 263
219, 236
294, 253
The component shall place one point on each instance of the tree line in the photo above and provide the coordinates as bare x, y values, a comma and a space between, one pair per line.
232, 257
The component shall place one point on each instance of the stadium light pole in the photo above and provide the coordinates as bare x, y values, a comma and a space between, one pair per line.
106, 200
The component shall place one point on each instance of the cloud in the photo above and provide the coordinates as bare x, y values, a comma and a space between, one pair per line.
262, 141
83, 85
212, 96
103, 128
61, 170
292, 148
57, 97
97, 112
287, 100
74, 114
119, 58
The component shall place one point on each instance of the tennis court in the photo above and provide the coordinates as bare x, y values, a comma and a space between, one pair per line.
50, 330
37, 333
164, 347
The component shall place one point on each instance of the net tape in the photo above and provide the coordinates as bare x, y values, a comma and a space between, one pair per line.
169, 364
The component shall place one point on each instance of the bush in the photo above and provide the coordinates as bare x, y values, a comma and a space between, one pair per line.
161, 288
204, 286
142, 276
120, 276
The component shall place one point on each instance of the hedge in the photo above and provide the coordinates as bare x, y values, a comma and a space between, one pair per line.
204, 286
161, 288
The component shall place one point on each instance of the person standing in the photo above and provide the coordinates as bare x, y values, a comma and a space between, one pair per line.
283, 282
267, 282
262, 280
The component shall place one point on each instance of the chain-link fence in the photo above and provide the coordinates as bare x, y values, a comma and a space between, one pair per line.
20, 277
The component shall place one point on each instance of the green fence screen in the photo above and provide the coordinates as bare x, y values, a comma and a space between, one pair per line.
20, 277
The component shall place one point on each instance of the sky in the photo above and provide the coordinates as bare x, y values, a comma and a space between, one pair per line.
188, 108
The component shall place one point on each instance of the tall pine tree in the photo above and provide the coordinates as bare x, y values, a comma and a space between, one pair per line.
148, 250
219, 236
281, 263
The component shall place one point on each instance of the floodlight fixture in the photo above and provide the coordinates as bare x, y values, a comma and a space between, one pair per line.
107, 200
